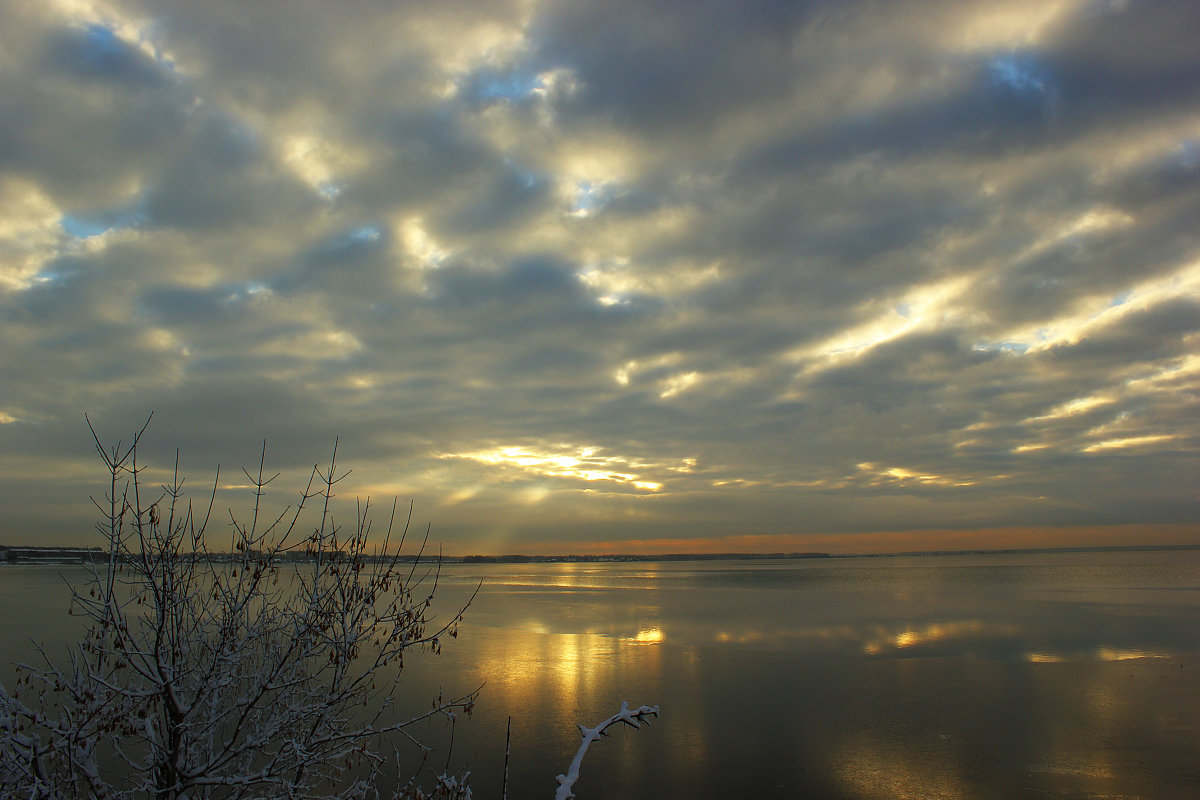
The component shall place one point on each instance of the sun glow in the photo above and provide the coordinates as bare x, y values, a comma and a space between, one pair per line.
419, 244
876, 475
579, 463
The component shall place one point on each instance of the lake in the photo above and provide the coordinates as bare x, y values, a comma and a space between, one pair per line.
1056, 675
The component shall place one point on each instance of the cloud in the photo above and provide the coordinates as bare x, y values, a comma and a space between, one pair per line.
644, 273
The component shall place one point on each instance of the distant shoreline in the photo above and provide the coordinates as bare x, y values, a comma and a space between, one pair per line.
18, 555
632, 557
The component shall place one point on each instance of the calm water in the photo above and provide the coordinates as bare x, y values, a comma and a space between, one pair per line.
1003, 676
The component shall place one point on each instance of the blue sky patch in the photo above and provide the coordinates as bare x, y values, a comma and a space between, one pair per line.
1020, 72
82, 228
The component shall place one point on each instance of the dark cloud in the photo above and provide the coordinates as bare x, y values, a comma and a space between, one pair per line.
1140, 337
1134, 59
508, 199
671, 65
97, 53
87, 113
220, 176
512, 284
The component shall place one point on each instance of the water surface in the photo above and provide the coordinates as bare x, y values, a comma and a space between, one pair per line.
1068, 675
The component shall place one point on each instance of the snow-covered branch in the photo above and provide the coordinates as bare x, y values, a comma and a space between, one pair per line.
633, 718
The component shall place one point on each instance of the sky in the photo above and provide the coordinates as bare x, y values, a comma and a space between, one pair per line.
598, 276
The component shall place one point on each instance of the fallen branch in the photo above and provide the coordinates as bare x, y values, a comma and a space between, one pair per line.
633, 719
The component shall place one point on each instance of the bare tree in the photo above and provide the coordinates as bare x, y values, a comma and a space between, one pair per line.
266, 672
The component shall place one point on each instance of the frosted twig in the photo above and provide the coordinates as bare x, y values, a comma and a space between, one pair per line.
633, 719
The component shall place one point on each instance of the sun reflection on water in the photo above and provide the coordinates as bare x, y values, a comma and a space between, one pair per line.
933, 632
880, 679
650, 636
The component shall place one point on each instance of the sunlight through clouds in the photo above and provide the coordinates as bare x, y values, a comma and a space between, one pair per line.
320, 163
30, 234
1081, 405
580, 463
1129, 443
922, 308
618, 280
1012, 23
420, 244
677, 384
1093, 314
1169, 377
878, 475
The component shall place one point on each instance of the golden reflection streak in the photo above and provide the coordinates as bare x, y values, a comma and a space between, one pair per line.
876, 768
934, 632
533, 665
1106, 653
532, 668
1102, 653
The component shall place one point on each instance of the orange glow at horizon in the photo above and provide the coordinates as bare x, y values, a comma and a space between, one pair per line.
872, 542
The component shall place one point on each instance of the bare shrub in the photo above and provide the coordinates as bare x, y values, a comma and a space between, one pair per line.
266, 672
